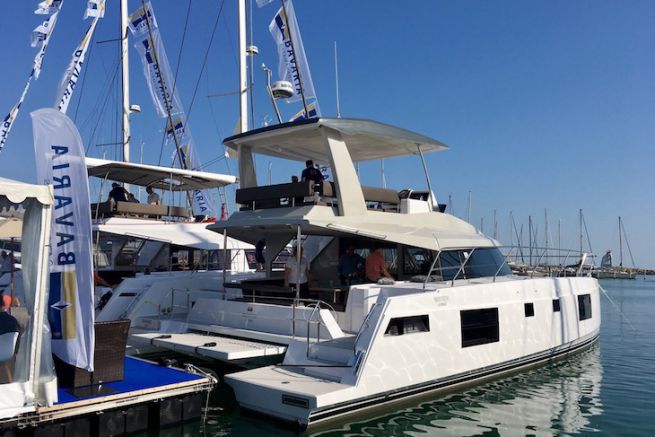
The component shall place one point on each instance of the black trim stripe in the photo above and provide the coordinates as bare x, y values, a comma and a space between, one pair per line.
443, 383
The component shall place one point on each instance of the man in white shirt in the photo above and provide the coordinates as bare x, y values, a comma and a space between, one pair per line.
153, 198
294, 275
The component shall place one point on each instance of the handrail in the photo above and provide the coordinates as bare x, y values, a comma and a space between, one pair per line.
461, 267
364, 322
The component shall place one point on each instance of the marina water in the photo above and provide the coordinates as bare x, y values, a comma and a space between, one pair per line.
609, 389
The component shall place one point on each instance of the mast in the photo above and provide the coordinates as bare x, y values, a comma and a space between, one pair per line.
620, 245
125, 82
243, 81
580, 231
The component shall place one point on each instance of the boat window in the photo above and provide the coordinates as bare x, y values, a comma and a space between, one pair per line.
556, 308
479, 326
408, 325
584, 306
416, 260
529, 309
487, 261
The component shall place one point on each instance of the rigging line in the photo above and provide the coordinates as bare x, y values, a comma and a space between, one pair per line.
161, 148
81, 93
584, 222
204, 61
104, 104
625, 237
618, 309
179, 54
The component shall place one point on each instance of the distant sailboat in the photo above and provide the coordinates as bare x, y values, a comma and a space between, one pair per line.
607, 270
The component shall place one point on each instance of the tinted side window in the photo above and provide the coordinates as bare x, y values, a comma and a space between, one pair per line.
408, 325
479, 326
556, 308
529, 309
584, 306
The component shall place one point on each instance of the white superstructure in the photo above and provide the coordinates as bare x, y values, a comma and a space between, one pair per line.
454, 315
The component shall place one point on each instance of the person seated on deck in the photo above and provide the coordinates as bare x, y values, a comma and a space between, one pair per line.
153, 198
311, 173
376, 266
350, 267
8, 323
5, 262
294, 275
118, 193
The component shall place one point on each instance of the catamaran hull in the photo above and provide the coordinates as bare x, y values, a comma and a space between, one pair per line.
251, 400
419, 343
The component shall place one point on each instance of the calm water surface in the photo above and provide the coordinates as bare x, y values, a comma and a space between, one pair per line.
609, 389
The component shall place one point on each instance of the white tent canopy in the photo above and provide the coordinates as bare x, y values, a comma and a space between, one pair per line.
33, 381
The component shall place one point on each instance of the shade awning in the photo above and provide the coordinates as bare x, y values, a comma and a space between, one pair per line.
302, 140
164, 178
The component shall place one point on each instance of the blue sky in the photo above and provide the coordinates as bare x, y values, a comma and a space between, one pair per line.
545, 105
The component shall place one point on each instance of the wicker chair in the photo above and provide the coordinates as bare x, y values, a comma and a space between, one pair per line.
108, 358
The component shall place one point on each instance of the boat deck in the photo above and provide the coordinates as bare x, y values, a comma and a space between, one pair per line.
144, 383
213, 346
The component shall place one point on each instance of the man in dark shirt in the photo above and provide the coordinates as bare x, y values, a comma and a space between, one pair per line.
118, 193
311, 173
351, 266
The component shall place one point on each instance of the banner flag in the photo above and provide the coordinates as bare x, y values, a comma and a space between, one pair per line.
60, 161
262, 3
292, 63
8, 120
188, 160
48, 7
159, 75
95, 9
72, 73
156, 67
312, 112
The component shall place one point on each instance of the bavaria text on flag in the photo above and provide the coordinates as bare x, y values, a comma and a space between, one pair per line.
159, 75
156, 67
60, 161
96, 9
292, 62
72, 73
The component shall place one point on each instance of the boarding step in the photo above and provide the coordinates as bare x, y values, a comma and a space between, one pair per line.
338, 351
212, 346
326, 370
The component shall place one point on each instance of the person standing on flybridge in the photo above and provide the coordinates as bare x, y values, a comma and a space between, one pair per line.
153, 198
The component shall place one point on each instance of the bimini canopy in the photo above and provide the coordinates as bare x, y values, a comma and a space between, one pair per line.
433, 231
302, 140
193, 235
164, 178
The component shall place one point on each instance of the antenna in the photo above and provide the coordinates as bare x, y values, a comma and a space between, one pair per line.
336, 79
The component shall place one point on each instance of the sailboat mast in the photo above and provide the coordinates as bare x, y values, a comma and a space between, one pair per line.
620, 245
243, 80
125, 81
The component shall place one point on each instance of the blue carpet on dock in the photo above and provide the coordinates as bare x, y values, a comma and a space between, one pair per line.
138, 375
